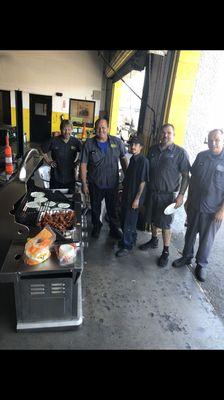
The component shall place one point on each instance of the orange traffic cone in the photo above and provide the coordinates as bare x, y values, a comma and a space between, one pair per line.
8, 158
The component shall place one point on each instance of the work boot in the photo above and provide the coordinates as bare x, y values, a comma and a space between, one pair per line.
181, 262
116, 233
200, 273
151, 244
122, 252
163, 259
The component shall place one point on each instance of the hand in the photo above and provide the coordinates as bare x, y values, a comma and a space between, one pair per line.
219, 216
179, 200
85, 188
135, 204
53, 164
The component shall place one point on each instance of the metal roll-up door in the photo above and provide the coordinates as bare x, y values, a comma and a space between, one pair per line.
120, 58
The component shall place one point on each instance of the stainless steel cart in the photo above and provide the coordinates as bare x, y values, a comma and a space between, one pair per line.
48, 296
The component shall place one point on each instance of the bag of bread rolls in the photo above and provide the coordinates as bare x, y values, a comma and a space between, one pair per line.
37, 249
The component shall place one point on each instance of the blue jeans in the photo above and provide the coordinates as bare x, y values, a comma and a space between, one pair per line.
129, 218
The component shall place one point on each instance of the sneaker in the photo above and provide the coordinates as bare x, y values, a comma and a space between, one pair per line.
151, 244
116, 234
200, 273
122, 252
163, 259
181, 262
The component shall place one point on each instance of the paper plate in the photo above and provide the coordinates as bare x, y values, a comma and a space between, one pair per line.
63, 205
170, 209
41, 199
37, 194
52, 204
33, 204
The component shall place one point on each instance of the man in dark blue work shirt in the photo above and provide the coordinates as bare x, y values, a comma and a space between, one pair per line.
99, 163
134, 182
205, 204
168, 180
64, 150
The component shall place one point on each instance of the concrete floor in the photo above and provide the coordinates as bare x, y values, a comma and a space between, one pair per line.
128, 303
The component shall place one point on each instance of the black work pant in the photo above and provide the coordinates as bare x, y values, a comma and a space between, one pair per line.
205, 225
58, 185
111, 200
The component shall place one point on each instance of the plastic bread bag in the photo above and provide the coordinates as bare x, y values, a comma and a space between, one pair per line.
37, 249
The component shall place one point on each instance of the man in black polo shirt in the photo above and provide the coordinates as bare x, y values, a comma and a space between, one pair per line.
99, 163
205, 204
168, 180
134, 182
63, 149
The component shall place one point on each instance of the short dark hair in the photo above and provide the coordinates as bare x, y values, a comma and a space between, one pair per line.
166, 125
136, 139
100, 119
64, 123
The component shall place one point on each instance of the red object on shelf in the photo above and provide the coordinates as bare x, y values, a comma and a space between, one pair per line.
84, 133
8, 158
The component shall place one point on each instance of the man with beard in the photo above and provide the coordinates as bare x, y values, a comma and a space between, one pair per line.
168, 180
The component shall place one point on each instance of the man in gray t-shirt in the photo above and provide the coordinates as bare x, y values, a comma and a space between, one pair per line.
205, 203
168, 180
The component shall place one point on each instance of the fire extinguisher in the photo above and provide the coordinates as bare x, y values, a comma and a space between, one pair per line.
8, 158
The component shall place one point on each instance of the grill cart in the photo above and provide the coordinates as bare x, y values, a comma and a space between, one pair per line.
48, 296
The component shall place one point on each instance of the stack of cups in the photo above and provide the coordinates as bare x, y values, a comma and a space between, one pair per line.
67, 253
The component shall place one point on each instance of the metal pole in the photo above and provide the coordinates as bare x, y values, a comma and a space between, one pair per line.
19, 123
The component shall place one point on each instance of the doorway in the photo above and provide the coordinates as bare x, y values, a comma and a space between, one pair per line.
5, 107
40, 117
125, 105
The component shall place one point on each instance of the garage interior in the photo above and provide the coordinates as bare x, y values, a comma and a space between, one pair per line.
128, 303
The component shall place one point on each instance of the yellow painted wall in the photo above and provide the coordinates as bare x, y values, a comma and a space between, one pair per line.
26, 123
13, 116
182, 92
114, 108
56, 120
26, 120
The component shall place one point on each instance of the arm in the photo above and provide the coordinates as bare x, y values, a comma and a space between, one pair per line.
123, 158
183, 188
79, 151
124, 163
49, 161
46, 148
138, 195
83, 171
83, 167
